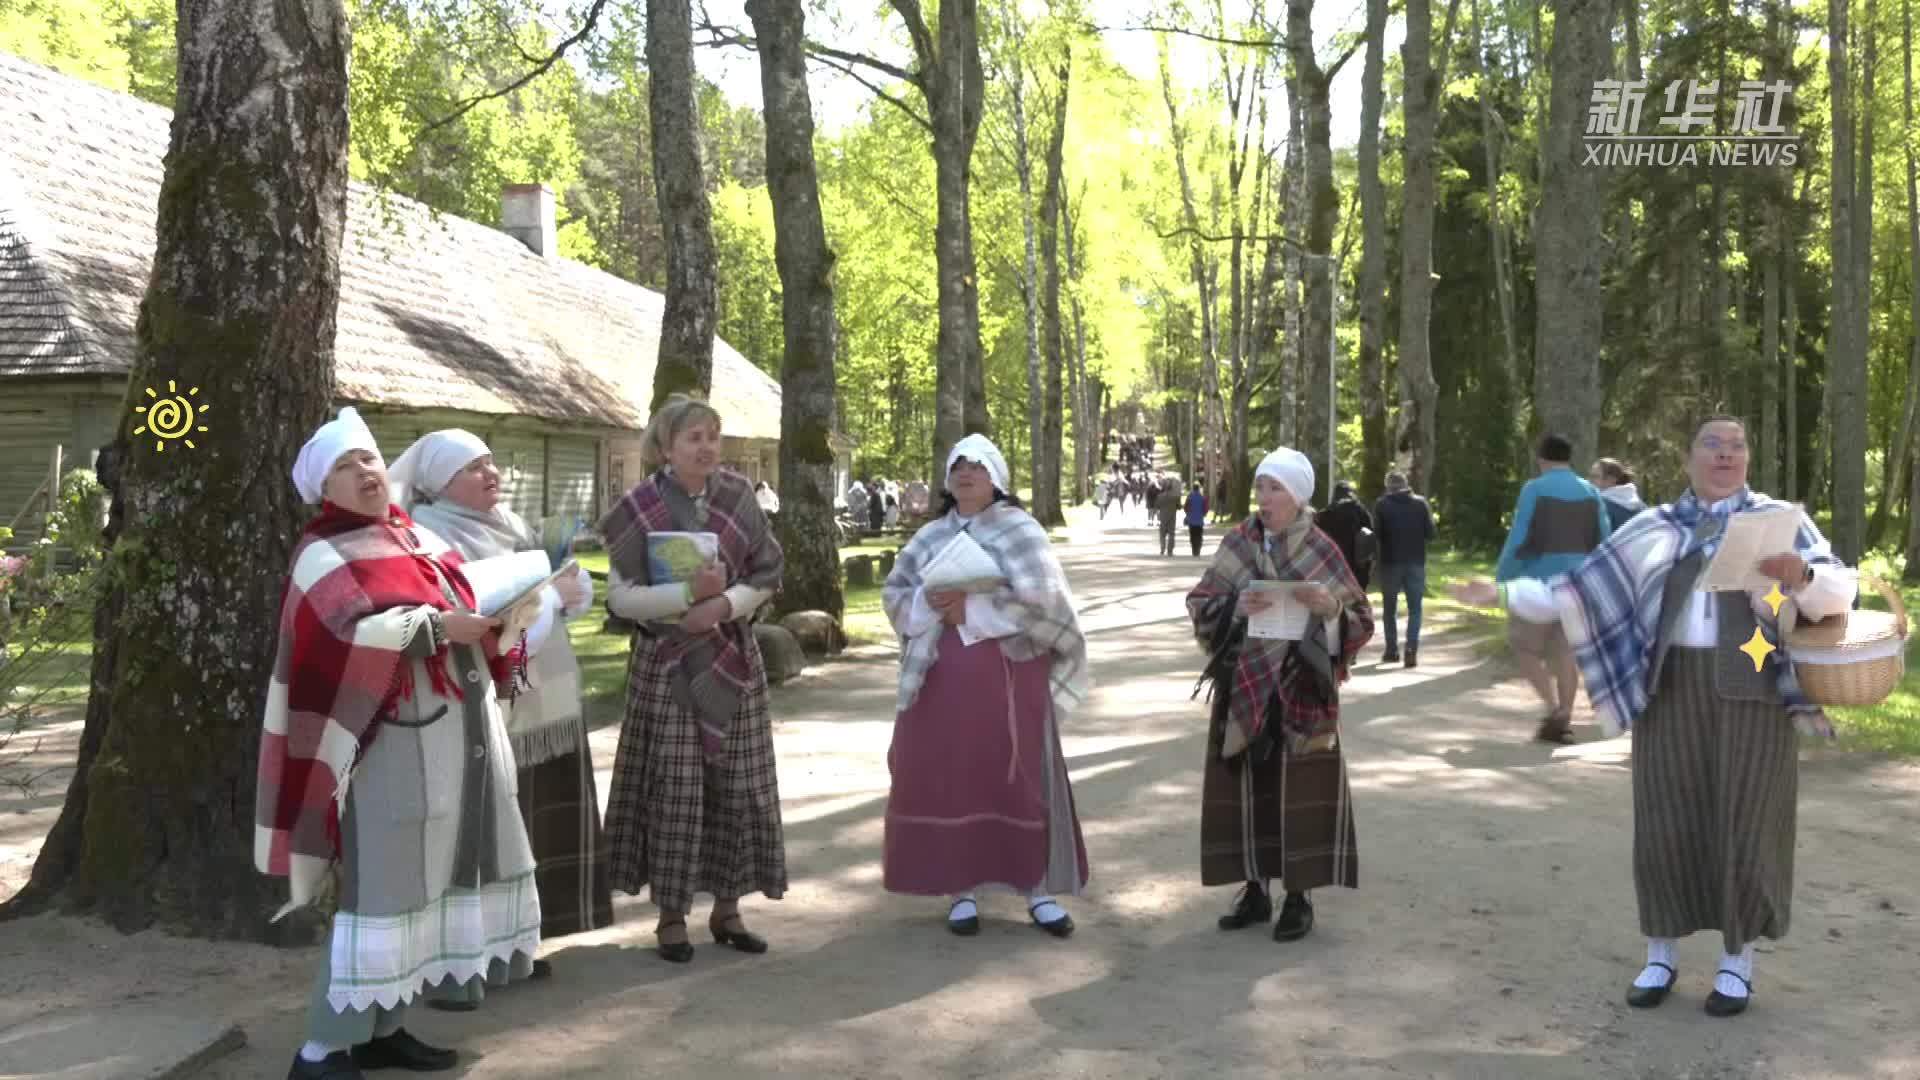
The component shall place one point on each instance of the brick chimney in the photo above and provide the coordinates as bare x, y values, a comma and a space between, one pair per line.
526, 214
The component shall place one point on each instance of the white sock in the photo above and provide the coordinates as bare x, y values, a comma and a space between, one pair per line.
317, 1052
963, 908
1741, 963
1044, 909
1660, 950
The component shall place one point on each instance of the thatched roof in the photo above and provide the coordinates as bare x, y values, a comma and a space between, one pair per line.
435, 312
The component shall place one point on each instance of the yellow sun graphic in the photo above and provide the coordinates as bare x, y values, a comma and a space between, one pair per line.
171, 417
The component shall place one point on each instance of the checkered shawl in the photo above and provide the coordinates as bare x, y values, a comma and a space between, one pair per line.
1036, 598
1301, 553
359, 592
1610, 605
711, 670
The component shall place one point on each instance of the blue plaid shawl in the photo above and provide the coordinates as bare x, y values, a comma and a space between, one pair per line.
1611, 604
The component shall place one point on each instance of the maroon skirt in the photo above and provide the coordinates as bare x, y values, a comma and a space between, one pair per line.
980, 795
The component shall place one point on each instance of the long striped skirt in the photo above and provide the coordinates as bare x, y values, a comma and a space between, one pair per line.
1715, 785
1288, 817
677, 826
562, 812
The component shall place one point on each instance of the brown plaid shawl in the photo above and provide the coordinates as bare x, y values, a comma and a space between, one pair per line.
1266, 670
711, 670
1036, 597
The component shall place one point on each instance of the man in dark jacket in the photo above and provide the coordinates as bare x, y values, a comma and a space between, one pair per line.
1166, 504
1350, 527
1405, 523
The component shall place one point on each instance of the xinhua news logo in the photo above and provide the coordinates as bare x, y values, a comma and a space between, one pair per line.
1683, 134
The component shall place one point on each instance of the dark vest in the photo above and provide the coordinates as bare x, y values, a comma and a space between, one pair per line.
1734, 621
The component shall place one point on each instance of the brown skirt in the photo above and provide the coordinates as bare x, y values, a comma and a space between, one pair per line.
1288, 817
1715, 788
562, 811
678, 826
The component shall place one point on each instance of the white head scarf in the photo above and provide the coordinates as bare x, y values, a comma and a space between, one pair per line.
1293, 471
431, 463
980, 449
335, 437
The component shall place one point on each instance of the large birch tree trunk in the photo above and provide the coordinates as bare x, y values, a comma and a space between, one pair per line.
1377, 452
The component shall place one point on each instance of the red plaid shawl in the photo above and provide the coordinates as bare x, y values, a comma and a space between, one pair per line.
354, 602
711, 670
1301, 553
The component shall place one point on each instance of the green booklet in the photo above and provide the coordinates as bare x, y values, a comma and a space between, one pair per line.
674, 557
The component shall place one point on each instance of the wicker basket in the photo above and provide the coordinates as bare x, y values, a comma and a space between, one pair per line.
1854, 658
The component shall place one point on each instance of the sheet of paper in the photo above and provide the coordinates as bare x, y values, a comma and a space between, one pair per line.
1749, 538
1286, 620
500, 580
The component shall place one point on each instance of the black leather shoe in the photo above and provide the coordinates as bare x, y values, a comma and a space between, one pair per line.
742, 939
1391, 656
335, 1066
676, 952
1253, 906
541, 970
1413, 657
1719, 1004
1296, 918
401, 1050
1061, 927
1646, 997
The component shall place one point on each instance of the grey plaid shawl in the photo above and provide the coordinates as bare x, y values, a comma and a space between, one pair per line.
1036, 597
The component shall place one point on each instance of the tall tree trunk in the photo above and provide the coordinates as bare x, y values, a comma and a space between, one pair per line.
1377, 449
1790, 361
1496, 225
693, 289
1418, 200
1016, 79
1570, 242
1203, 281
239, 316
1769, 441
1901, 453
1852, 254
1293, 185
1323, 207
1046, 485
950, 78
1089, 386
808, 399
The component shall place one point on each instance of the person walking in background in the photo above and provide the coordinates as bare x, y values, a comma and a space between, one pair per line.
1558, 520
1615, 482
1347, 523
1167, 504
1196, 516
1404, 522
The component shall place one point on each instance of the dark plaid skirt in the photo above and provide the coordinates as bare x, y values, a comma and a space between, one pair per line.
677, 826
562, 812
1289, 817
1715, 792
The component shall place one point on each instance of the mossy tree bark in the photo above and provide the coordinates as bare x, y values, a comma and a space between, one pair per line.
685, 362
807, 403
238, 321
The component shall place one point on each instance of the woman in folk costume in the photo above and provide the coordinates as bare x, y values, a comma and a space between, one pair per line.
384, 763
1715, 752
980, 796
448, 483
1274, 802
695, 805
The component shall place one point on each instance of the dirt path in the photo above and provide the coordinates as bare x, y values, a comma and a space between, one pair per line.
1492, 936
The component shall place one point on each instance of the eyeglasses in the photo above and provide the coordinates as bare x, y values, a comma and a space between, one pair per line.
1717, 445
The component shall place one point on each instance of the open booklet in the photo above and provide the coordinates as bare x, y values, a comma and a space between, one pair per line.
508, 587
962, 566
1749, 538
1287, 619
